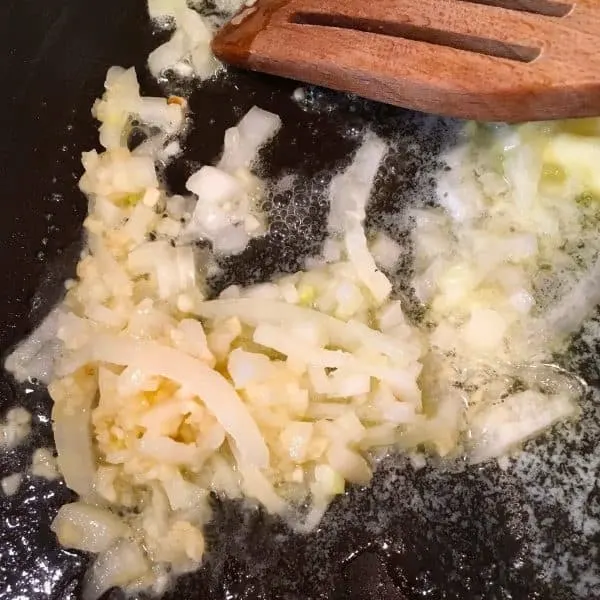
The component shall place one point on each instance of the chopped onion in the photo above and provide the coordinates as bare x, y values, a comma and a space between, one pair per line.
349, 464
117, 172
350, 191
386, 252
349, 334
182, 494
16, 428
358, 252
500, 427
566, 316
71, 418
34, 357
122, 103
485, 330
211, 184
188, 50
248, 367
278, 339
285, 388
214, 390
43, 464
243, 141
296, 437
257, 486
577, 155
348, 195
119, 566
167, 451
165, 8
88, 528
226, 212
11, 483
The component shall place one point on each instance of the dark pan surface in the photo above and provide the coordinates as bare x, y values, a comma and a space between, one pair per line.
530, 533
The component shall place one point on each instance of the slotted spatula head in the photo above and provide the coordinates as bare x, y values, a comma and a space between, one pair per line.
490, 60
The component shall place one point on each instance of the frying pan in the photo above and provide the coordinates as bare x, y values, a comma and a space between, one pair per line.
441, 533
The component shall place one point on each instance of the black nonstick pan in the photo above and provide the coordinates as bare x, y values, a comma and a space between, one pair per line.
532, 532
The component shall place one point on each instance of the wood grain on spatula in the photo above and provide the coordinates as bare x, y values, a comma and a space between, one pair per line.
490, 60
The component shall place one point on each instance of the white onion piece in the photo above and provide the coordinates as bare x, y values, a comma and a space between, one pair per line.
226, 213
224, 478
122, 101
34, 357
114, 275
350, 335
351, 465
88, 528
211, 184
44, 464
566, 316
296, 437
280, 340
174, 268
352, 374
314, 516
120, 566
11, 483
165, 418
139, 222
71, 424
108, 212
578, 156
374, 280
214, 390
117, 172
257, 486
248, 367
167, 451
485, 330
165, 8
203, 62
191, 338
385, 251
175, 271
243, 141
182, 494
349, 191
119, 101
348, 381
188, 50
16, 428
168, 54
498, 428
158, 112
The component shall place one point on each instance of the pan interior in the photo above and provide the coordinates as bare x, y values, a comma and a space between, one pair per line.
529, 532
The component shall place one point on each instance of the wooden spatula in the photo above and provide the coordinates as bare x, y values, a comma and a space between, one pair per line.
492, 60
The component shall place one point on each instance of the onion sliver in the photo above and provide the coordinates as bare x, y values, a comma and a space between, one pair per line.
351, 335
498, 428
71, 418
214, 390
88, 528
119, 566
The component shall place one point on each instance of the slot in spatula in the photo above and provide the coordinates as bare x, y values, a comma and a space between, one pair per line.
490, 60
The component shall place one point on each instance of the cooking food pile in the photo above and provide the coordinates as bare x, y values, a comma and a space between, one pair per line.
285, 392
